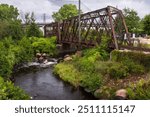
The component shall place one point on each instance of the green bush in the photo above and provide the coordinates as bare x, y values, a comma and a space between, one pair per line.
13, 52
140, 90
91, 81
85, 78
105, 92
44, 45
7, 59
25, 51
117, 71
32, 30
10, 25
85, 65
133, 68
9, 91
104, 66
68, 73
102, 50
137, 57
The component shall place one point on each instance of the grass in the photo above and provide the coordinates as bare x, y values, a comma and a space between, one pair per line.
103, 77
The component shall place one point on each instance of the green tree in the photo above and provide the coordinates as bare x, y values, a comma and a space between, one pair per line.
32, 30
132, 20
66, 11
10, 25
146, 24
9, 13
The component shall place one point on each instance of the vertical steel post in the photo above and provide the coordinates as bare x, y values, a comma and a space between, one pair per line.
112, 27
59, 32
79, 22
125, 26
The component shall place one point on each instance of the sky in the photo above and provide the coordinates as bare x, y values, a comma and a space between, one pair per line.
40, 7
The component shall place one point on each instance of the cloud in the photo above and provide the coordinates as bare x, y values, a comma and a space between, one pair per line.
39, 7
141, 6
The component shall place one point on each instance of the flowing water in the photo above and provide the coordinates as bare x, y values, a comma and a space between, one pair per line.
43, 85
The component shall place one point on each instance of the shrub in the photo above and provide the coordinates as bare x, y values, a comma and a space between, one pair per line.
32, 30
140, 90
7, 59
133, 68
26, 50
117, 71
87, 79
9, 91
68, 73
137, 57
105, 92
13, 53
85, 65
44, 45
91, 81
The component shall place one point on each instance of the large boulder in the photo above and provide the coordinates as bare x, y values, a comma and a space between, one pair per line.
41, 59
67, 58
121, 94
44, 55
38, 55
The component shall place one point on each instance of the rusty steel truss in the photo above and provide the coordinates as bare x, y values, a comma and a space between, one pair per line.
109, 21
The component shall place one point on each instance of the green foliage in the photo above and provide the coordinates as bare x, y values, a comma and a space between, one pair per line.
31, 28
137, 57
15, 30
25, 51
91, 81
68, 73
104, 47
14, 49
105, 92
14, 52
102, 66
146, 24
8, 12
10, 25
84, 67
6, 60
117, 71
65, 12
132, 19
140, 90
44, 45
3, 29
8, 91
133, 68
100, 52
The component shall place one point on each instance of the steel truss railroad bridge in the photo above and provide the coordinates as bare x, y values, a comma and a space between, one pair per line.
93, 25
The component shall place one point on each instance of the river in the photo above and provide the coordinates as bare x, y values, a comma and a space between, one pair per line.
43, 85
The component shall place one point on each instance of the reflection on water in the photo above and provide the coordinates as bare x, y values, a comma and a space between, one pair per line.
43, 85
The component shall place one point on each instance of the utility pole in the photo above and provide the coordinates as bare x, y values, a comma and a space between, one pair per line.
79, 22
44, 18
